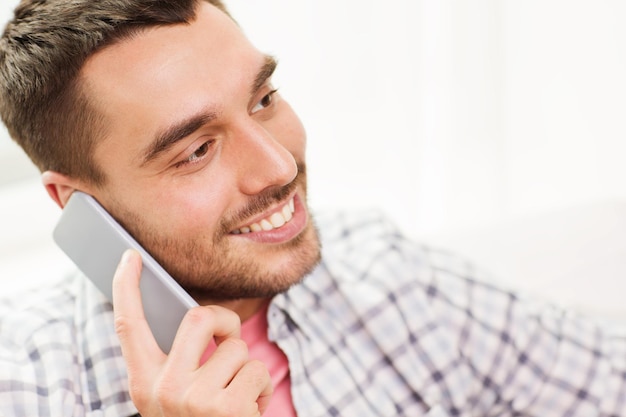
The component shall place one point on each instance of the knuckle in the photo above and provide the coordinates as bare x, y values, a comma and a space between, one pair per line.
224, 313
257, 367
199, 315
123, 326
258, 372
235, 346
212, 314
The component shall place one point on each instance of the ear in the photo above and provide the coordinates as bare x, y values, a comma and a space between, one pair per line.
60, 187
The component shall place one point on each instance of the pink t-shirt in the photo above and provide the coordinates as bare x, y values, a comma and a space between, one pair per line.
254, 333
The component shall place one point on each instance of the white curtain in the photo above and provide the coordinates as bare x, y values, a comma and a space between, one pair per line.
453, 114
446, 114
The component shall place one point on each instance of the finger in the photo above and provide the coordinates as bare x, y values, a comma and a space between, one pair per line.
227, 360
138, 344
253, 382
197, 331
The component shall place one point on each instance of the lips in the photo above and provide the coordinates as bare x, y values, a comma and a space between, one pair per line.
277, 219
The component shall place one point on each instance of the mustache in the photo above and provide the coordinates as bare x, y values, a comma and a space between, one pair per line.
264, 200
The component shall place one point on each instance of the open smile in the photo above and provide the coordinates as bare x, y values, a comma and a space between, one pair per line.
279, 225
275, 220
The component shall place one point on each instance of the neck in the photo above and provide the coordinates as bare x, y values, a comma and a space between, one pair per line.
245, 308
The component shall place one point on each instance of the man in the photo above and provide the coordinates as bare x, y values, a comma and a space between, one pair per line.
166, 114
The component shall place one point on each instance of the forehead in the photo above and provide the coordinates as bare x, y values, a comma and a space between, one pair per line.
167, 72
211, 34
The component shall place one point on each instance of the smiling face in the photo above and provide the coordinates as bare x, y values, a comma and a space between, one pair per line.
204, 161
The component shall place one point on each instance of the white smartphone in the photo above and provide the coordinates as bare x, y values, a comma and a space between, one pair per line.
95, 242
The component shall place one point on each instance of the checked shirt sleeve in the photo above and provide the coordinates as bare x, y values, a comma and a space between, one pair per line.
59, 355
433, 335
527, 359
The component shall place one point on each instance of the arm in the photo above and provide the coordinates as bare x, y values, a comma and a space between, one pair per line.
530, 358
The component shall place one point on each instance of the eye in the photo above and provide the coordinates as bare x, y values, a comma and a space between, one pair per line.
265, 102
197, 155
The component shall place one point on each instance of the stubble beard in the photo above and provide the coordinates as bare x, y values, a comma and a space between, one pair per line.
223, 274
244, 276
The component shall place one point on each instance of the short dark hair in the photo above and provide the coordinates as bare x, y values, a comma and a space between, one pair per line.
42, 50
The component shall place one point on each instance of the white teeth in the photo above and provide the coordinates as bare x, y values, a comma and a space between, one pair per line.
287, 213
265, 225
275, 221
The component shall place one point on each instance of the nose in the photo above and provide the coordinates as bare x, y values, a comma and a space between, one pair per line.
262, 160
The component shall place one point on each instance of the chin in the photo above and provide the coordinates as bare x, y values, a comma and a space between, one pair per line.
258, 275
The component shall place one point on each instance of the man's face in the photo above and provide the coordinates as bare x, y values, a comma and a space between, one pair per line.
204, 161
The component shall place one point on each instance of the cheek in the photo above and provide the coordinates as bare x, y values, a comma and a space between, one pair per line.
194, 207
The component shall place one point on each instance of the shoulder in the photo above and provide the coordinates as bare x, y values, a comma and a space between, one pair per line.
375, 266
368, 245
59, 353
35, 343
32, 311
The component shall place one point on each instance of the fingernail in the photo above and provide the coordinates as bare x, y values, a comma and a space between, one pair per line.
125, 258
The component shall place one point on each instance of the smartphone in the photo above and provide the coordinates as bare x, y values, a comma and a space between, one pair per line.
95, 242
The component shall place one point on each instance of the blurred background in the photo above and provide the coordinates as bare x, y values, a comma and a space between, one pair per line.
491, 128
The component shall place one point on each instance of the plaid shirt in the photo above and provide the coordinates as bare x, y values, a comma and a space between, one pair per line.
383, 327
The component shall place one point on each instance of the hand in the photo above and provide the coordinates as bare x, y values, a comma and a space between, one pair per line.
227, 384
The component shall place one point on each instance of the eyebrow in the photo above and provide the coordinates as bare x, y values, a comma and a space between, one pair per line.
167, 138
178, 131
265, 73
